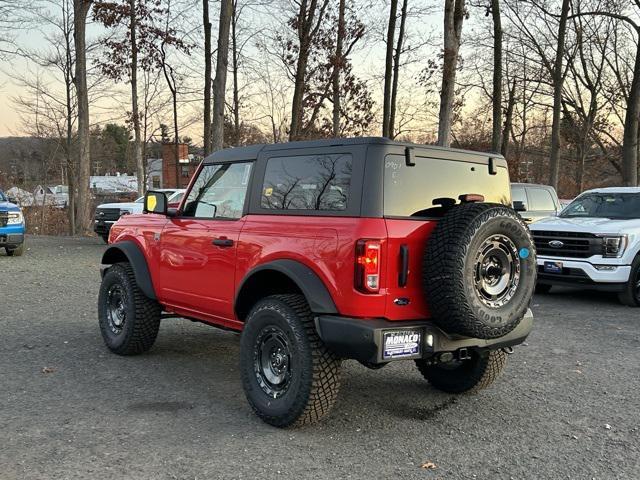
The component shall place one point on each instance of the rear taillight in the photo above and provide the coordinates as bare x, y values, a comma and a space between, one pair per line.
368, 266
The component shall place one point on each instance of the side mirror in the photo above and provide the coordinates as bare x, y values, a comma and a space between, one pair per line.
13, 200
519, 206
155, 202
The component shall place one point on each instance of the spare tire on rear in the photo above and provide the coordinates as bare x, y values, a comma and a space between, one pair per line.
479, 270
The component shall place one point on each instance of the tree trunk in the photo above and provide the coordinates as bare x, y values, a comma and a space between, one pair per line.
220, 82
81, 9
176, 134
235, 60
497, 76
298, 93
71, 214
396, 71
388, 69
337, 68
68, 83
137, 142
558, 81
453, 19
630, 138
207, 77
508, 120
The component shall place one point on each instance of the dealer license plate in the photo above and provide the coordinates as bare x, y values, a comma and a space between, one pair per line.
401, 344
553, 267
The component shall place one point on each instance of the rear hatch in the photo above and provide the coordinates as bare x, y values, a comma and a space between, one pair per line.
415, 197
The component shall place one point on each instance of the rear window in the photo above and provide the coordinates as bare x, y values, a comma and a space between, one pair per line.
419, 191
518, 194
307, 182
541, 199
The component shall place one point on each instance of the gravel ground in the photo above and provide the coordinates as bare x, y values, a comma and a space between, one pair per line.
566, 407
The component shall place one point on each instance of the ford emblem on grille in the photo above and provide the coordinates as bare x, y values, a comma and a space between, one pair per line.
556, 244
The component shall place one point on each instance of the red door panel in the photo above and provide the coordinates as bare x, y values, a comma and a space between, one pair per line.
197, 274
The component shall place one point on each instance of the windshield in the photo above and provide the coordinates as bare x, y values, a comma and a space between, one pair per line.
619, 206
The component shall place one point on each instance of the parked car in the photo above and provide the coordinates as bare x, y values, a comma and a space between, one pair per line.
593, 243
12, 226
534, 201
315, 258
108, 213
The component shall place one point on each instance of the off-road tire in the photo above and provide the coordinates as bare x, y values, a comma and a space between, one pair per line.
543, 288
142, 321
15, 252
468, 376
449, 264
315, 370
630, 296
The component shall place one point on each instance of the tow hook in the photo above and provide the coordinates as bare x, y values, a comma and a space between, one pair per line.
508, 350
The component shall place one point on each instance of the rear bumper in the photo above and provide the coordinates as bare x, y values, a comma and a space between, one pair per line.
363, 339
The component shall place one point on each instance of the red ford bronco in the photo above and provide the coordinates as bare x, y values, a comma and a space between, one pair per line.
320, 251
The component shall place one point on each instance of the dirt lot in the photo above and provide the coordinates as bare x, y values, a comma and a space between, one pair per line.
567, 407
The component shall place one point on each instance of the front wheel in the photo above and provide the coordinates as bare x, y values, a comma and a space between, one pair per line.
462, 376
129, 321
289, 376
631, 294
15, 252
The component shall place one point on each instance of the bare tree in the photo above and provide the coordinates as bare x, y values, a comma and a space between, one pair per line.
497, 76
220, 81
135, 113
558, 82
207, 77
454, 13
307, 22
337, 67
388, 69
83, 218
396, 71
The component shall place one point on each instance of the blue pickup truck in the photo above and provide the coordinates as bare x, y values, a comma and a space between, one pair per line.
11, 226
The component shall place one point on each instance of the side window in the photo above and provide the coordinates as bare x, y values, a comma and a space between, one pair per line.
219, 191
518, 194
307, 182
541, 199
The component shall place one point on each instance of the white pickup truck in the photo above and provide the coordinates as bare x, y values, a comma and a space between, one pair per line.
594, 243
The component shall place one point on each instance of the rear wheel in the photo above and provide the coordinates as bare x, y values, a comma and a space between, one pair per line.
289, 376
129, 321
461, 376
631, 294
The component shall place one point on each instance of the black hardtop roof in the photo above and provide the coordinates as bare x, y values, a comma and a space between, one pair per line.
251, 152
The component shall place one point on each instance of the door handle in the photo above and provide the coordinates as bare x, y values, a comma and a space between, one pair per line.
223, 242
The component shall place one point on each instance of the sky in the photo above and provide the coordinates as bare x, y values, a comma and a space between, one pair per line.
368, 59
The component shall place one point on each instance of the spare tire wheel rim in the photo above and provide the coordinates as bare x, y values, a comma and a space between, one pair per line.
272, 361
496, 271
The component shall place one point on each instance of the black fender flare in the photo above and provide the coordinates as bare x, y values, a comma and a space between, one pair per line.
136, 258
309, 283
